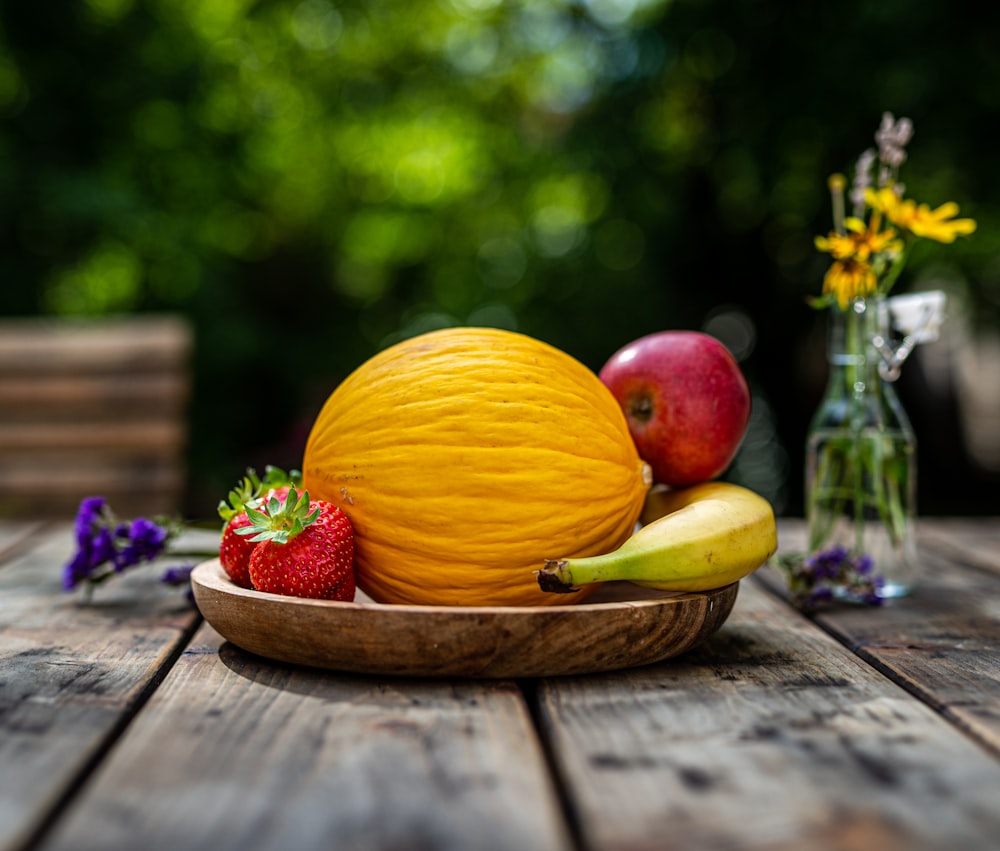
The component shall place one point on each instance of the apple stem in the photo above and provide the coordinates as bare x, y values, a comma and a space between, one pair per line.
640, 407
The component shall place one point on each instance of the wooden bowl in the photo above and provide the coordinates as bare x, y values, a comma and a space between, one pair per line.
620, 626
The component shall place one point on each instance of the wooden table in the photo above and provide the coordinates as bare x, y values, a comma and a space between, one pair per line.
128, 723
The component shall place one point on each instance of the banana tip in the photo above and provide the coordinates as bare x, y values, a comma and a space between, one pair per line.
550, 578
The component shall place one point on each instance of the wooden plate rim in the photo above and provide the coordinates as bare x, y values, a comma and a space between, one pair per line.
213, 590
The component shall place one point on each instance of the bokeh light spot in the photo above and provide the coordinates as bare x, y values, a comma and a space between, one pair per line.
734, 328
419, 177
502, 262
106, 281
471, 49
316, 25
493, 316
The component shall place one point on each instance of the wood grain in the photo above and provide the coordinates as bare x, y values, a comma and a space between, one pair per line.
941, 643
41, 346
93, 407
490, 642
14, 536
71, 673
236, 753
123, 727
770, 736
971, 541
74, 398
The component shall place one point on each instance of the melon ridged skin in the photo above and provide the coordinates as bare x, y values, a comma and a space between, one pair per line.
465, 458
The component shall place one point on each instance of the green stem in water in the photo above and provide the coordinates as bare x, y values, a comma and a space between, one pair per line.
861, 370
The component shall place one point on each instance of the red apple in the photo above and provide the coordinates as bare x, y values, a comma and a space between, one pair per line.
686, 401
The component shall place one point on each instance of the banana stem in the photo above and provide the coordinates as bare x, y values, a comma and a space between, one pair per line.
555, 578
564, 576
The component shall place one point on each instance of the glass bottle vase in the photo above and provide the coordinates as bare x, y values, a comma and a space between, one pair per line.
860, 488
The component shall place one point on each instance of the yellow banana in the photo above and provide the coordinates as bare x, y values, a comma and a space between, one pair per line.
695, 539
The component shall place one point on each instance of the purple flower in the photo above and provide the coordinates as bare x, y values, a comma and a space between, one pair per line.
95, 543
179, 575
144, 540
88, 516
105, 546
832, 573
827, 564
76, 571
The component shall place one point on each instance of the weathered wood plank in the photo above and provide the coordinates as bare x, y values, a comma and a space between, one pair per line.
772, 735
153, 437
971, 541
234, 752
13, 535
71, 673
109, 480
42, 346
86, 403
942, 643
81, 397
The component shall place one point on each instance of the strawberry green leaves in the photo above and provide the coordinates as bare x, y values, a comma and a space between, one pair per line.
251, 488
283, 520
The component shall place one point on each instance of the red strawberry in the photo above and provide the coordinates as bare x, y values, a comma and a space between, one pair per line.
305, 549
235, 548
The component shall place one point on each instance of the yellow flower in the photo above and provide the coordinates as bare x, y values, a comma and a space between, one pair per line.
849, 279
920, 219
886, 201
837, 245
871, 240
860, 242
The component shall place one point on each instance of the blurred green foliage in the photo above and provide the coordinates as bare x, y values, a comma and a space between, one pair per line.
310, 180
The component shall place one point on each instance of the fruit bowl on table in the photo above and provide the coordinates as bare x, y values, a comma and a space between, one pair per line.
619, 626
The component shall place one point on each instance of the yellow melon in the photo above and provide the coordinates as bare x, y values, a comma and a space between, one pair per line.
465, 458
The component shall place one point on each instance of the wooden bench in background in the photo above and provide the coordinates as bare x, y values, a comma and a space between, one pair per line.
93, 407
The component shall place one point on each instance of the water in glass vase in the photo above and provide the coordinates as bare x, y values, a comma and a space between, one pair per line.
860, 486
